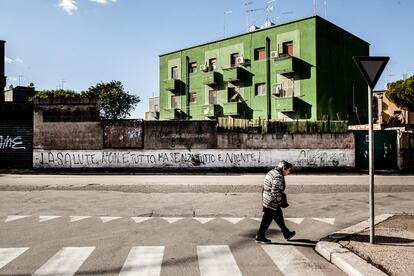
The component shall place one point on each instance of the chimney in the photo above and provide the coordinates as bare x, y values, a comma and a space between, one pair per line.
2, 76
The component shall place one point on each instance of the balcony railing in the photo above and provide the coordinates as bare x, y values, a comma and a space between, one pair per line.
211, 78
286, 64
172, 84
212, 110
232, 109
286, 104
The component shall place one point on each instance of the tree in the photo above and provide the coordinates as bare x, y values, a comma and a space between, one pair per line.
115, 102
402, 93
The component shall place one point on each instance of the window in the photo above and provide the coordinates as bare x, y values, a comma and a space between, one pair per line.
288, 48
260, 89
232, 95
233, 59
212, 96
259, 53
174, 72
193, 97
175, 101
288, 86
193, 67
212, 64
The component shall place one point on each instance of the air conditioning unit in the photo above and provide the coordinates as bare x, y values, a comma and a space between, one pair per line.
203, 67
240, 60
274, 54
277, 90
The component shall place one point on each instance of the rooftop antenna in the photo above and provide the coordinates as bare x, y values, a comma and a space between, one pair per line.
314, 7
63, 82
269, 9
20, 77
224, 26
324, 3
247, 14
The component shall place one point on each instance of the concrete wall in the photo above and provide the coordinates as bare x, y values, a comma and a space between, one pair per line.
180, 134
234, 140
405, 152
194, 159
73, 125
123, 134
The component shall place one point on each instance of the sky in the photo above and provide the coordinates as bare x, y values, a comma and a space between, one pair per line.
76, 44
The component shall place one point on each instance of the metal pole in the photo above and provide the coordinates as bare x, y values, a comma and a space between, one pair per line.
371, 168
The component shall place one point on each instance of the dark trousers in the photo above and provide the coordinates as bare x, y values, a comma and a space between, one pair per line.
268, 216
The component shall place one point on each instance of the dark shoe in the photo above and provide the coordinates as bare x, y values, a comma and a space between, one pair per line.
262, 240
290, 235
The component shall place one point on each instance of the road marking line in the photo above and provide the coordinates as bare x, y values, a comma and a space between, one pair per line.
140, 219
233, 220
143, 261
216, 260
9, 254
295, 220
107, 219
203, 220
13, 218
326, 220
65, 262
172, 220
290, 261
46, 218
256, 219
78, 218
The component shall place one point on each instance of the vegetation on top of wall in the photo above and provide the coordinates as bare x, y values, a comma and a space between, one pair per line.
58, 93
281, 127
115, 102
402, 93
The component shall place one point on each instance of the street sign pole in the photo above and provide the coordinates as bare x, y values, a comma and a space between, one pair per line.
371, 69
371, 168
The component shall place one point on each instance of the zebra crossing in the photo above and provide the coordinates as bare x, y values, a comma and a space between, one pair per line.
213, 260
170, 220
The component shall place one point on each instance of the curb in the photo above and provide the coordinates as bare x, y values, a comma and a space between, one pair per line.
344, 259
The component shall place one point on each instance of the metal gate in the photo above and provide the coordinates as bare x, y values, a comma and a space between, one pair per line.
385, 150
16, 135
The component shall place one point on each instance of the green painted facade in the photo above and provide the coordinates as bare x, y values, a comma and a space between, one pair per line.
318, 80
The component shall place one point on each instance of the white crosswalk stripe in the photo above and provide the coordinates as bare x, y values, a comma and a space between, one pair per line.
171, 219
140, 219
78, 218
233, 220
65, 262
143, 261
107, 219
203, 220
290, 260
47, 218
217, 260
9, 254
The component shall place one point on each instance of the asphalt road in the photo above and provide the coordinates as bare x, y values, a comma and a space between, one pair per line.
111, 232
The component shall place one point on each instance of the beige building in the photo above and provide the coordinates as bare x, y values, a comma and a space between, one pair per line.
385, 110
154, 109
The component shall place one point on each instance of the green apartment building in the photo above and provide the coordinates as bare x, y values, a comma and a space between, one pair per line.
297, 70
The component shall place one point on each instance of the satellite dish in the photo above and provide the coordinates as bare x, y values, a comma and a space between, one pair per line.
11, 86
31, 84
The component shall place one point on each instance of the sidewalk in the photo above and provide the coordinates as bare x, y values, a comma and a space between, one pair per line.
391, 254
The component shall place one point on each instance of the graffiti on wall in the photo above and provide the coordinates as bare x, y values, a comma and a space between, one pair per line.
208, 158
10, 142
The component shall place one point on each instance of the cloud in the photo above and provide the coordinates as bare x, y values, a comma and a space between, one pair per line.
18, 60
103, 2
69, 6
8, 60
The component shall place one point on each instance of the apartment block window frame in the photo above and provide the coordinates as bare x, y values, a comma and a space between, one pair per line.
260, 89
260, 53
175, 101
212, 96
192, 67
287, 48
193, 97
174, 72
288, 86
233, 59
212, 64
233, 95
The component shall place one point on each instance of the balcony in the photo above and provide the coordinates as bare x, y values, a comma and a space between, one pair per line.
172, 113
233, 74
211, 110
286, 104
286, 64
211, 78
172, 84
232, 109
